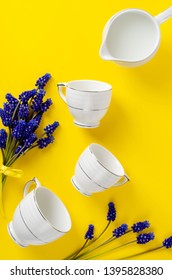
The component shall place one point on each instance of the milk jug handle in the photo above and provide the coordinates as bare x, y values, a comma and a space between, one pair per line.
60, 90
164, 15
28, 185
122, 181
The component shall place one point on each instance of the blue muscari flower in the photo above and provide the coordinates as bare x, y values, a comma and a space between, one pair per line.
19, 150
137, 227
6, 118
30, 140
31, 126
3, 138
90, 232
7, 109
26, 95
44, 142
12, 100
46, 105
49, 129
118, 232
14, 123
19, 130
37, 101
42, 81
23, 111
111, 215
167, 243
38, 118
145, 238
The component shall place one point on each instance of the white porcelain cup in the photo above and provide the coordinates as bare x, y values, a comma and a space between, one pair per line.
87, 101
132, 37
40, 218
97, 170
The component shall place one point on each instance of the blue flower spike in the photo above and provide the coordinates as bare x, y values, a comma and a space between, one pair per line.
44, 142
145, 238
49, 129
90, 232
137, 227
167, 243
118, 232
13, 102
111, 215
18, 131
42, 81
6, 118
3, 138
26, 95
46, 105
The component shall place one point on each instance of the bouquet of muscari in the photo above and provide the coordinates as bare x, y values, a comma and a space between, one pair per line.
21, 118
90, 249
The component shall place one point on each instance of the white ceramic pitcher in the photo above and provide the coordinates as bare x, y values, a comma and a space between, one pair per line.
132, 37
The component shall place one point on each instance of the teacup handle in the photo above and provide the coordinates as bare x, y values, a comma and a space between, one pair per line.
164, 15
122, 181
62, 95
29, 183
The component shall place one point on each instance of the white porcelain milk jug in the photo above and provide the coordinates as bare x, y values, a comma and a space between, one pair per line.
132, 37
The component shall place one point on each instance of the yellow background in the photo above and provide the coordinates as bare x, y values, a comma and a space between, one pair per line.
63, 38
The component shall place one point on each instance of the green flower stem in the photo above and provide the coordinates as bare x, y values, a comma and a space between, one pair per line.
85, 243
112, 238
131, 242
145, 252
98, 246
90, 243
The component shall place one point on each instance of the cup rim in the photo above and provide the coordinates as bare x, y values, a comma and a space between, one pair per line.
111, 155
139, 11
68, 85
42, 214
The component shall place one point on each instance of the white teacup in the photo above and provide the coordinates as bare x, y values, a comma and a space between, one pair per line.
87, 100
40, 218
97, 170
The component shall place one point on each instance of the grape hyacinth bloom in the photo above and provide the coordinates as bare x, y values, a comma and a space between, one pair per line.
49, 129
145, 238
3, 138
41, 82
12, 100
44, 142
8, 109
111, 215
6, 118
118, 232
90, 232
167, 243
30, 140
22, 117
38, 101
26, 95
31, 126
18, 131
46, 105
137, 227
23, 111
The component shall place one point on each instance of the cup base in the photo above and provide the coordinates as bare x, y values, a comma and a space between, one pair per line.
13, 235
78, 188
86, 125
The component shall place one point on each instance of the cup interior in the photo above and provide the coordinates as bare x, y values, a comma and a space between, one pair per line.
107, 159
133, 35
89, 86
52, 209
